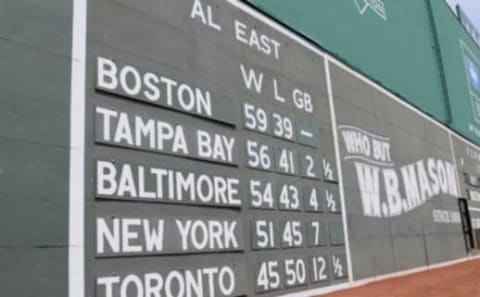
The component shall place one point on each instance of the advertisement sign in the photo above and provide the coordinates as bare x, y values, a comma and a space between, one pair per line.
377, 6
400, 181
472, 72
468, 25
387, 190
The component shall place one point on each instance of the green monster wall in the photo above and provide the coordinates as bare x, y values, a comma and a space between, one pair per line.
35, 46
461, 63
416, 49
394, 46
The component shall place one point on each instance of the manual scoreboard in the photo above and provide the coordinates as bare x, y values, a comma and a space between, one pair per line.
211, 167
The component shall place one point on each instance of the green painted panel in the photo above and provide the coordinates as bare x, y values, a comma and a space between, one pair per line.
461, 62
390, 41
34, 271
35, 46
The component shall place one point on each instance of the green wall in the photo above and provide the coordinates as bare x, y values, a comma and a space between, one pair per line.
416, 49
398, 51
35, 46
458, 50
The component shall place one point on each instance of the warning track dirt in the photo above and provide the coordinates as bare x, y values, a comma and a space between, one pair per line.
459, 280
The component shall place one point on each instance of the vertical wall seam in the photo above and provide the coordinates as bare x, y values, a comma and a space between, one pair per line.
452, 149
440, 63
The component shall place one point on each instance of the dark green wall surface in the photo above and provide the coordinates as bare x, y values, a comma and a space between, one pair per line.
403, 50
456, 45
398, 51
35, 46
414, 49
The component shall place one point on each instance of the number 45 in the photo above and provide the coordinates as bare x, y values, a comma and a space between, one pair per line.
268, 277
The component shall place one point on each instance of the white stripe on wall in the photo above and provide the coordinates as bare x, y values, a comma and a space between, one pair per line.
454, 158
339, 168
76, 243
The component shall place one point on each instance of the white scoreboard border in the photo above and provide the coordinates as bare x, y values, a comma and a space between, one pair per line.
76, 224
76, 236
